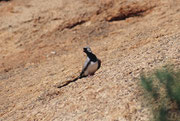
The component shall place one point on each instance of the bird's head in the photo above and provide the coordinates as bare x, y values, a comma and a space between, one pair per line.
87, 49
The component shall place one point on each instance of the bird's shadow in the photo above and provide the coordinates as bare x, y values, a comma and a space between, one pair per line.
70, 81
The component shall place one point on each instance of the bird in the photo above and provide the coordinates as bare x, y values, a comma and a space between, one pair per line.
91, 65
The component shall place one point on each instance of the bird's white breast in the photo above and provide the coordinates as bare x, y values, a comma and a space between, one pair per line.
92, 68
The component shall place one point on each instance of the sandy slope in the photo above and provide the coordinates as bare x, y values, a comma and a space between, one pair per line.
41, 47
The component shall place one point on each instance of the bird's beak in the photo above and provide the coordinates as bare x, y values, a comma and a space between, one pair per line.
84, 49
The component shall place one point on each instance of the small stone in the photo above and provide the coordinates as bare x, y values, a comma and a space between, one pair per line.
53, 52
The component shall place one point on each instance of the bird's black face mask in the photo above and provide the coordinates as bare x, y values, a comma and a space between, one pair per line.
85, 50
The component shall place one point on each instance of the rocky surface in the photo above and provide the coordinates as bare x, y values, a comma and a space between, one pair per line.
41, 47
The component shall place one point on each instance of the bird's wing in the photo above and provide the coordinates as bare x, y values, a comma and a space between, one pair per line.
99, 64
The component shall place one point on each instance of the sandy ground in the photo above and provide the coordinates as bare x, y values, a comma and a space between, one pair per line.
41, 45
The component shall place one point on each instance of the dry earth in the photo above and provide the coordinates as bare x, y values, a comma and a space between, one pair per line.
41, 45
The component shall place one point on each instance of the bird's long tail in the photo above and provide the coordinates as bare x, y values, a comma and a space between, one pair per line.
68, 82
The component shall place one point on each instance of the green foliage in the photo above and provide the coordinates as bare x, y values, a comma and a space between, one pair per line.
148, 85
164, 87
162, 114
